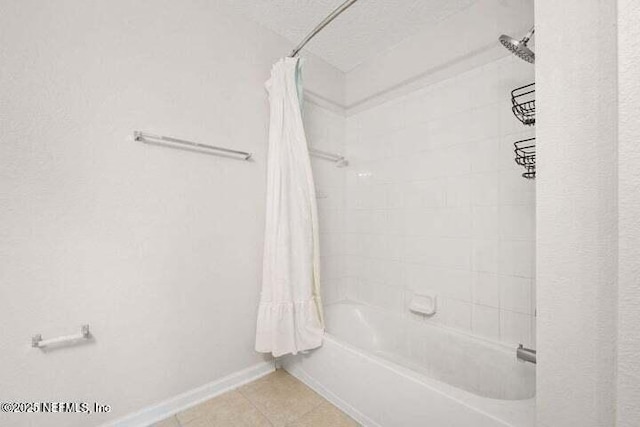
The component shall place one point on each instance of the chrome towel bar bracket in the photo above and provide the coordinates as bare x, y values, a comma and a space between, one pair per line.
38, 342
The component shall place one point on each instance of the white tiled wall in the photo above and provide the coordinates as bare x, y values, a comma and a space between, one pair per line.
325, 130
435, 203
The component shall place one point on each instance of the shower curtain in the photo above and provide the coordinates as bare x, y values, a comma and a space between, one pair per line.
290, 312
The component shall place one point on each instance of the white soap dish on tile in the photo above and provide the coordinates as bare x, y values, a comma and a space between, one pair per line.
426, 304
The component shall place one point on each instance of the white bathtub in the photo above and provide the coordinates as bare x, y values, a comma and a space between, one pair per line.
390, 371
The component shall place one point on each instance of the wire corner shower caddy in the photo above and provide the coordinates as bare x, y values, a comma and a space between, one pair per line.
524, 104
525, 151
524, 109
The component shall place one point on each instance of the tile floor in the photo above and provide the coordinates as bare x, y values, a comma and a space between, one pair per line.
277, 399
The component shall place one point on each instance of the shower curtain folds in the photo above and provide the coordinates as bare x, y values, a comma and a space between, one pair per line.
290, 311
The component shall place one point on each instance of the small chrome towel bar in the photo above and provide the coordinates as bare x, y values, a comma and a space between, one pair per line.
526, 354
340, 160
151, 138
38, 342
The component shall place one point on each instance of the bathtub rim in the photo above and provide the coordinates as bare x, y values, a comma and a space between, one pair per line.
484, 341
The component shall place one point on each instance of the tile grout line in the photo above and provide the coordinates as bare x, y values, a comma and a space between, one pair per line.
322, 400
310, 410
254, 405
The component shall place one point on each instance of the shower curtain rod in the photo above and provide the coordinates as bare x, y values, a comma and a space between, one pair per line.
326, 21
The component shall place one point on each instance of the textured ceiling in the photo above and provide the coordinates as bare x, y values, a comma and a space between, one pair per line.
365, 29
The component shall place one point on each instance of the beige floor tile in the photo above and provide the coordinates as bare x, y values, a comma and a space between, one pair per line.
231, 409
169, 422
325, 415
281, 397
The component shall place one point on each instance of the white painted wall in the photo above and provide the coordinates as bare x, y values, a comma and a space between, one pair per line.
628, 372
158, 249
577, 212
436, 204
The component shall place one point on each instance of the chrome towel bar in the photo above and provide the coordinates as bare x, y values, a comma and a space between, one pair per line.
38, 342
151, 138
340, 160
526, 354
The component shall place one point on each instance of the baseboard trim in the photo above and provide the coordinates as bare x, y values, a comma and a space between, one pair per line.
172, 406
301, 375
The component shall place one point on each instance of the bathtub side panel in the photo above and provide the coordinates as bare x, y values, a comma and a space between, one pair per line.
361, 385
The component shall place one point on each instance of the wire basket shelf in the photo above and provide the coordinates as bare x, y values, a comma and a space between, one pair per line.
525, 151
524, 104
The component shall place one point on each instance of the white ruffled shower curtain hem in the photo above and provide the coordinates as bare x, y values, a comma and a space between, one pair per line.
291, 326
